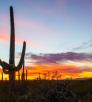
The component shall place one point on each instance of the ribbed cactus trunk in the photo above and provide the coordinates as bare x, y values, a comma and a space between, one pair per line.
12, 47
12, 77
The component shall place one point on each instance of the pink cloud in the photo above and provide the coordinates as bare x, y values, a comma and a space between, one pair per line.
30, 25
5, 31
5, 37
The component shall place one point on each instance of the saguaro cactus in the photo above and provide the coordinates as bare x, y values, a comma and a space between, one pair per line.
11, 68
2, 75
23, 72
18, 76
26, 74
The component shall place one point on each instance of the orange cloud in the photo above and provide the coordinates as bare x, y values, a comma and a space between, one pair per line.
66, 71
4, 37
86, 74
53, 71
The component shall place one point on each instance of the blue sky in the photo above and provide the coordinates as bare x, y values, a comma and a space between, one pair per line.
48, 26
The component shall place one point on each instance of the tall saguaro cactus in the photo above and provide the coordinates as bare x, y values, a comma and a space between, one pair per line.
11, 68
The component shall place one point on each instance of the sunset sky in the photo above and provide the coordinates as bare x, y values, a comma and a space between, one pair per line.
58, 35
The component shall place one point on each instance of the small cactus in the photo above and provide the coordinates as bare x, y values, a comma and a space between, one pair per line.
26, 74
18, 75
2, 76
39, 77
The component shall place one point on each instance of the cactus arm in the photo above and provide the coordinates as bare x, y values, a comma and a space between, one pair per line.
5, 71
12, 38
19, 66
4, 65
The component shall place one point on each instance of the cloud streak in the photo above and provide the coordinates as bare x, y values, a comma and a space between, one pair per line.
58, 58
84, 45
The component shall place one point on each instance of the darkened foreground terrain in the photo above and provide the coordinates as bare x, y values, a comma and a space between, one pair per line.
48, 91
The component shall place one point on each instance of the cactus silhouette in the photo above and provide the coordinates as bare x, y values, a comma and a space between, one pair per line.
39, 77
2, 75
11, 68
23, 73
26, 74
18, 76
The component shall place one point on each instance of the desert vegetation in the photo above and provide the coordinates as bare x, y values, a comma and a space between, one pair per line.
48, 91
